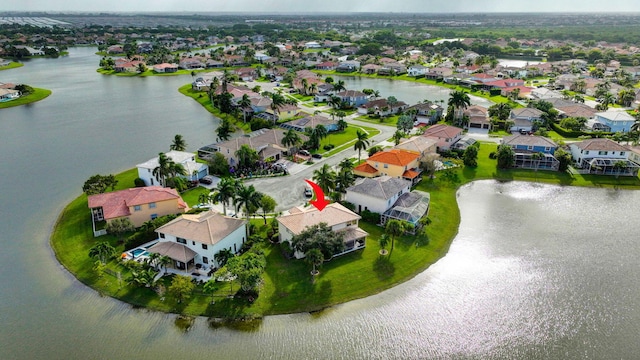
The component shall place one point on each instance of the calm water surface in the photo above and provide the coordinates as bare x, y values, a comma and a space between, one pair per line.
536, 272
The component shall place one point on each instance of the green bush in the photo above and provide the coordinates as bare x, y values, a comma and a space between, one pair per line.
328, 147
492, 155
370, 217
138, 182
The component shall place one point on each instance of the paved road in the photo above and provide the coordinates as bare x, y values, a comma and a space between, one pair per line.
288, 190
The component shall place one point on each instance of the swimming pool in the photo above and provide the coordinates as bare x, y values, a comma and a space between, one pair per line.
448, 163
139, 252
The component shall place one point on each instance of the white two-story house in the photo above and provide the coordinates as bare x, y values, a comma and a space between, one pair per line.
599, 156
377, 194
195, 170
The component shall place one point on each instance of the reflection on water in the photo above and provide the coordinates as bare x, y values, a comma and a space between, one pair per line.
536, 271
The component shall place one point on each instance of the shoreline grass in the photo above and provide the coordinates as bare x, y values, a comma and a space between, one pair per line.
37, 95
12, 65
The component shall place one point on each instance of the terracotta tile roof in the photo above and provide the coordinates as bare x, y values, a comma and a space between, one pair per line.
600, 145
116, 204
410, 174
397, 157
442, 131
208, 227
365, 168
333, 214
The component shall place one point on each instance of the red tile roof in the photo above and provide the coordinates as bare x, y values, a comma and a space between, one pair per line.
116, 204
394, 157
410, 174
365, 168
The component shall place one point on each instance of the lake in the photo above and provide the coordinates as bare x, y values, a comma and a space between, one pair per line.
536, 271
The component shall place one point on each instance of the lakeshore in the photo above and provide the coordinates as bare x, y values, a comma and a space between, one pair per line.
37, 95
287, 286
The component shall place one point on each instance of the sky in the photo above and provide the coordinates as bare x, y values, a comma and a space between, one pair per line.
287, 6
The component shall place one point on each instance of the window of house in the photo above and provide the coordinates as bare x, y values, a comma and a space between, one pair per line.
152, 205
205, 259
603, 152
161, 235
193, 243
204, 246
547, 149
386, 166
586, 152
181, 240
530, 147
154, 216
622, 152
137, 208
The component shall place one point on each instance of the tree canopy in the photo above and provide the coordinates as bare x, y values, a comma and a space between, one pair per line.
319, 236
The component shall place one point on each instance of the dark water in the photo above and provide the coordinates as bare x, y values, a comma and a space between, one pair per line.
536, 272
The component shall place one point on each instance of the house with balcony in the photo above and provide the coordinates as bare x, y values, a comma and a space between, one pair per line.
195, 170
427, 112
533, 152
603, 157
191, 241
337, 217
396, 163
139, 204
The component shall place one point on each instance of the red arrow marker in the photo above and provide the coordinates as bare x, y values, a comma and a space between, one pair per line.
320, 203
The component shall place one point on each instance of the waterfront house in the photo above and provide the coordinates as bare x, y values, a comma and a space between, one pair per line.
615, 121
478, 117
445, 135
409, 207
599, 156
533, 152
376, 194
352, 98
311, 121
397, 163
195, 170
139, 204
193, 240
165, 68
426, 112
336, 216
381, 107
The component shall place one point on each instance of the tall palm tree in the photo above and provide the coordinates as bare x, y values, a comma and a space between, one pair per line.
314, 257
339, 86
249, 198
459, 100
244, 104
325, 177
344, 179
163, 170
277, 101
335, 101
394, 228
291, 139
313, 88
225, 191
345, 164
178, 144
606, 100
103, 251
362, 142
305, 83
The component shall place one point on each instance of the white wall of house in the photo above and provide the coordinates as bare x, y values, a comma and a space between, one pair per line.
578, 154
206, 257
373, 204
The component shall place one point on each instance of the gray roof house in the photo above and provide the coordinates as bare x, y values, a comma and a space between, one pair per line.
377, 194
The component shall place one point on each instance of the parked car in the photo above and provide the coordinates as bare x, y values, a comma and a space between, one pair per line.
208, 180
308, 192
316, 156
304, 153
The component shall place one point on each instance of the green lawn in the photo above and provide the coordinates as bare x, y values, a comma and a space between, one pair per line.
37, 95
203, 99
11, 65
389, 121
344, 139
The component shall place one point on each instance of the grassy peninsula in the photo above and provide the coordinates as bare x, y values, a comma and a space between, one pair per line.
37, 95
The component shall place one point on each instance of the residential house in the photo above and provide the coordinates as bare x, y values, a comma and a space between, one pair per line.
352, 98
348, 66
436, 73
8, 94
336, 216
192, 63
191, 241
427, 112
246, 74
327, 65
615, 121
599, 156
526, 147
323, 93
397, 163
478, 117
382, 107
139, 204
370, 68
312, 45
311, 121
165, 68
195, 170
392, 68
417, 70
634, 153
576, 110
128, 66
524, 118
376, 194
267, 142
420, 145
445, 135
285, 112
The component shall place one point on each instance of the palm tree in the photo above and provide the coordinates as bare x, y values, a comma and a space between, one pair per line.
249, 198
339, 86
225, 191
163, 261
383, 241
277, 101
619, 166
394, 228
606, 100
346, 164
305, 83
313, 88
335, 101
247, 157
102, 251
536, 157
205, 198
325, 178
626, 97
291, 139
222, 256
344, 179
178, 144
361, 143
244, 104
397, 136
163, 170
459, 100
314, 257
